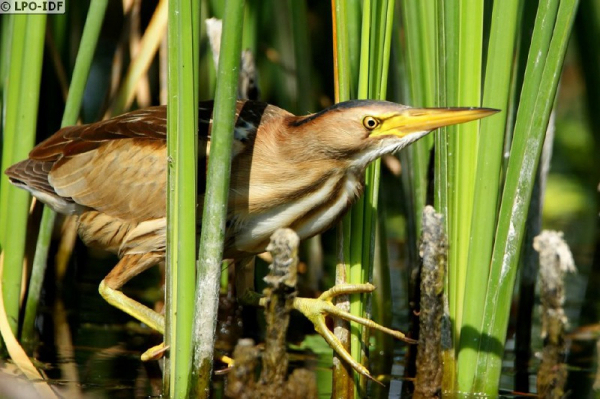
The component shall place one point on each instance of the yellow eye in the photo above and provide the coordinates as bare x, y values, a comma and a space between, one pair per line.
370, 123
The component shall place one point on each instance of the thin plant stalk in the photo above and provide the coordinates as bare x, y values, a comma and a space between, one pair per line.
83, 62
441, 199
286, 88
182, 125
353, 21
216, 197
419, 20
299, 21
372, 83
252, 13
420, 25
5, 42
440, 195
342, 84
448, 17
342, 386
305, 103
37, 276
139, 65
377, 250
357, 269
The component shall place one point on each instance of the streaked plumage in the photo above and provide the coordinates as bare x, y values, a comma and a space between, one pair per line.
113, 173
301, 172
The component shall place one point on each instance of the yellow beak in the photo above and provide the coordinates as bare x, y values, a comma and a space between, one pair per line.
426, 119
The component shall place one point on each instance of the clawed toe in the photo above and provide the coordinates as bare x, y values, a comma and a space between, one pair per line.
316, 309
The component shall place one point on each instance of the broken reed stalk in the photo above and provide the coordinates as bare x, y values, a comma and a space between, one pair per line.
278, 301
280, 296
555, 260
434, 251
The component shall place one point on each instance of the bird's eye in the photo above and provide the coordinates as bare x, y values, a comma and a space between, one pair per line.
370, 123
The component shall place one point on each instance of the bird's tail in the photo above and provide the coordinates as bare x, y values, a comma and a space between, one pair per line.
32, 175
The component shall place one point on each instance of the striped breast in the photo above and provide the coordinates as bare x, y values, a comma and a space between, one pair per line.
309, 214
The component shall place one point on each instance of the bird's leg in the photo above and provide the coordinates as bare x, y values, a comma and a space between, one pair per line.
128, 267
315, 309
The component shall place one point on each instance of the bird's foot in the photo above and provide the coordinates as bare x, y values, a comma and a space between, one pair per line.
316, 309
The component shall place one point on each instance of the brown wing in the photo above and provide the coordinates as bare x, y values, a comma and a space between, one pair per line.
148, 124
122, 178
119, 166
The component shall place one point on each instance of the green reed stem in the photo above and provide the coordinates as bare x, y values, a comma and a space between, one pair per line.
20, 109
215, 204
182, 139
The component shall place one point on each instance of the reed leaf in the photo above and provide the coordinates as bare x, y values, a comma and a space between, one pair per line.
501, 49
463, 147
537, 99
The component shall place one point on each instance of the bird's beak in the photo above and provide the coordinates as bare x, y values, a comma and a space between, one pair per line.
412, 120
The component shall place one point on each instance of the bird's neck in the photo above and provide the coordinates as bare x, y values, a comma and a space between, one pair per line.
384, 146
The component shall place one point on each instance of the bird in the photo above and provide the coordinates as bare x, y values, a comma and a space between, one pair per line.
301, 172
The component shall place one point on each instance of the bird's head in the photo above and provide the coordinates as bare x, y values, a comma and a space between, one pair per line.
364, 130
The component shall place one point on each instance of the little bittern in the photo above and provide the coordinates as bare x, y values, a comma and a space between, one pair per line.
302, 172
